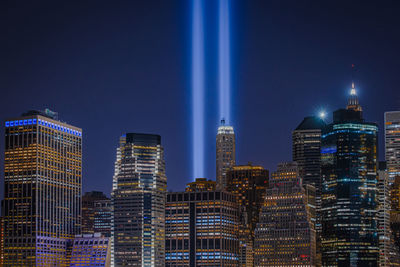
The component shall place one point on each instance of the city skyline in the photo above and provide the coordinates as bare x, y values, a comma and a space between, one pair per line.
41, 75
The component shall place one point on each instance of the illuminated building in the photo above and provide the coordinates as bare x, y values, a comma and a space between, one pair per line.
384, 232
103, 217
42, 189
392, 143
349, 192
139, 202
201, 227
248, 183
395, 210
201, 184
88, 210
1, 241
285, 235
91, 250
225, 152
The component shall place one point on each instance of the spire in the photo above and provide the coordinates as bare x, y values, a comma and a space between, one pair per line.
353, 99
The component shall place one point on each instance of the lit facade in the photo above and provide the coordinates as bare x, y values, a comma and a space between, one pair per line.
91, 250
285, 235
392, 143
88, 210
103, 217
248, 183
226, 153
139, 202
42, 189
201, 227
384, 232
349, 192
395, 210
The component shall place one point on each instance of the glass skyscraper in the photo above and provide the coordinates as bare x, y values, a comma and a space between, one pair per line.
392, 143
42, 189
139, 192
349, 192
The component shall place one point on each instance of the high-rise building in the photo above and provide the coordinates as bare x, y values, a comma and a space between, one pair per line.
138, 199
285, 235
395, 210
88, 210
392, 143
383, 215
42, 189
201, 226
306, 147
248, 183
226, 152
91, 250
349, 191
103, 217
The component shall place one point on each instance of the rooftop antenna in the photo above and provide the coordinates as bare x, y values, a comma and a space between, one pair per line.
223, 121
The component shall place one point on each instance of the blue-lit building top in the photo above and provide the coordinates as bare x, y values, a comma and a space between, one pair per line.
349, 189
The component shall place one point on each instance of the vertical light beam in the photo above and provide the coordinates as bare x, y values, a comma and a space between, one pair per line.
224, 83
198, 88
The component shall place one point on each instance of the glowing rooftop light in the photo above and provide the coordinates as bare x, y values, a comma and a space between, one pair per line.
353, 91
322, 115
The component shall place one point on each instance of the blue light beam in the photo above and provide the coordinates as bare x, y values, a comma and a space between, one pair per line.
224, 83
198, 88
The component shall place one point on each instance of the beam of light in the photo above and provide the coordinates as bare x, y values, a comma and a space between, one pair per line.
224, 83
198, 88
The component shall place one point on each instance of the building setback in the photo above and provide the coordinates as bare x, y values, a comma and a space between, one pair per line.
201, 226
285, 235
91, 250
42, 189
349, 195
248, 183
139, 191
225, 153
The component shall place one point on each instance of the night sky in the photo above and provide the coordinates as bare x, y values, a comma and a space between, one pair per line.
124, 66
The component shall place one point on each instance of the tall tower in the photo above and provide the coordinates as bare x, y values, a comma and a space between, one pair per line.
88, 210
349, 191
248, 183
306, 141
392, 143
42, 189
138, 197
284, 235
225, 158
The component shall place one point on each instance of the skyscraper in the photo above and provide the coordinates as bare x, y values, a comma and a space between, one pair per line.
349, 194
103, 217
201, 226
88, 210
42, 189
306, 140
91, 250
139, 201
248, 183
226, 150
392, 143
285, 235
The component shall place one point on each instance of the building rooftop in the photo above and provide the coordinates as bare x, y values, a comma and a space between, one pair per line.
311, 122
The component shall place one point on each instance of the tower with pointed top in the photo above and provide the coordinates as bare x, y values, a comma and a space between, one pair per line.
349, 192
225, 156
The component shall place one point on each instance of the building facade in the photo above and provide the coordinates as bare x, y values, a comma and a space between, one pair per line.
88, 210
248, 183
349, 195
42, 189
392, 143
226, 153
201, 227
285, 235
91, 250
103, 217
139, 202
